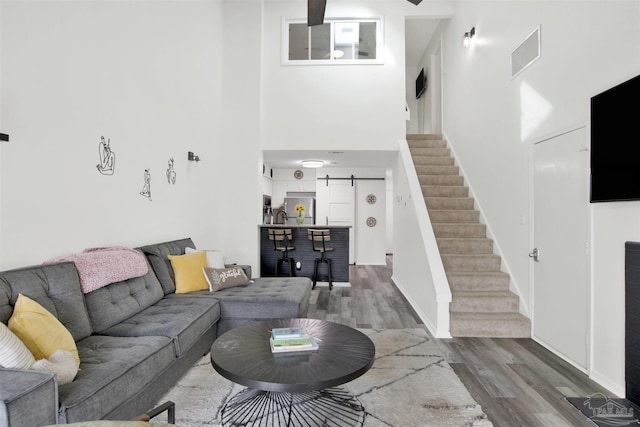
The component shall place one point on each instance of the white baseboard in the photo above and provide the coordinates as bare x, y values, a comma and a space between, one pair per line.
608, 384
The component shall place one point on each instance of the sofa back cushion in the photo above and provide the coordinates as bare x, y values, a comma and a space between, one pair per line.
158, 256
56, 287
118, 301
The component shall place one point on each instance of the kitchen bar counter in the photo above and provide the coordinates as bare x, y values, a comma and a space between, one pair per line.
304, 252
324, 227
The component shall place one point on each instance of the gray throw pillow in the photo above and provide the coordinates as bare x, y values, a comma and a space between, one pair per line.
222, 278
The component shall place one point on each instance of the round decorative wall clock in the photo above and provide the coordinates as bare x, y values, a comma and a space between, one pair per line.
298, 174
371, 199
371, 221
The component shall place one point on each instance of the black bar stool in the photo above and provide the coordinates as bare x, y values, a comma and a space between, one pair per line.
282, 238
319, 238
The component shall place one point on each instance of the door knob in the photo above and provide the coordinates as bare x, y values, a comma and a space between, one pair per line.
535, 254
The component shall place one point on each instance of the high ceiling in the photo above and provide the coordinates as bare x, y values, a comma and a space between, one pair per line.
288, 159
418, 34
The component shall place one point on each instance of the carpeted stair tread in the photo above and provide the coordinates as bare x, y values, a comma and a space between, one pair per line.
466, 262
444, 191
478, 280
431, 151
459, 230
484, 302
479, 245
425, 160
441, 180
449, 203
495, 325
437, 170
423, 136
445, 216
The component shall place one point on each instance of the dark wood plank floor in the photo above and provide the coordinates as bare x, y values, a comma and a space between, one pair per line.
516, 381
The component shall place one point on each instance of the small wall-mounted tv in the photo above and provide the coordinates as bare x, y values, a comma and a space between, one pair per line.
421, 84
615, 145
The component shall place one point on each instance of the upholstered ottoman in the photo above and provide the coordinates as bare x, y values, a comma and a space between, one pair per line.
265, 298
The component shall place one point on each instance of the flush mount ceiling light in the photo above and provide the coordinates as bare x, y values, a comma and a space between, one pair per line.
312, 163
466, 41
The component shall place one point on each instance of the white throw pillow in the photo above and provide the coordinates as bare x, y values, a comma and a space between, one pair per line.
13, 353
215, 259
62, 363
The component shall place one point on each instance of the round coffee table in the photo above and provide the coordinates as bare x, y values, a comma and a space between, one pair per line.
299, 388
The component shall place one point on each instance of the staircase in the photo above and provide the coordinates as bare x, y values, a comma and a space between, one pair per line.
481, 305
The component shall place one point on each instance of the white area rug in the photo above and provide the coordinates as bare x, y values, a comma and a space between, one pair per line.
410, 384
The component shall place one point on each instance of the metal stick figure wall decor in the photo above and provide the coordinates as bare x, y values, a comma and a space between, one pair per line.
146, 188
171, 173
107, 157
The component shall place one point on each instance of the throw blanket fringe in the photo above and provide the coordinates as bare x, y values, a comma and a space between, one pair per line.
98, 267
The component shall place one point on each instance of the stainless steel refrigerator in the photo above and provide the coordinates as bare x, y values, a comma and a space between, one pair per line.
309, 213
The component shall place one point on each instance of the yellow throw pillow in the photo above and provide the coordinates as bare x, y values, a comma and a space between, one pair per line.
188, 272
39, 330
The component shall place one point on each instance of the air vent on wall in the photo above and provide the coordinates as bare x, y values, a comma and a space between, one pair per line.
526, 53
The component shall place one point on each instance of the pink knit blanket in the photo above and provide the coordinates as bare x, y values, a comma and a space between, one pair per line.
98, 267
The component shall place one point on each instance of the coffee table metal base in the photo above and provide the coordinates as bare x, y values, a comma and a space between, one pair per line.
329, 407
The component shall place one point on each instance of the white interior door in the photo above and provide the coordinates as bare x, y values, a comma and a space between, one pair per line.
560, 230
335, 206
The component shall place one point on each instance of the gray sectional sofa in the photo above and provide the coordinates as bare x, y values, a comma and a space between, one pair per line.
135, 338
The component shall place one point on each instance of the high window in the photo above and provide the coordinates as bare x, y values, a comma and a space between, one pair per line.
337, 41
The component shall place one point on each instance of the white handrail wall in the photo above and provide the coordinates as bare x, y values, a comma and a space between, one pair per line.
417, 266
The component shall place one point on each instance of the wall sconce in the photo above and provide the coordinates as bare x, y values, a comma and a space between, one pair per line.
466, 41
4, 137
192, 157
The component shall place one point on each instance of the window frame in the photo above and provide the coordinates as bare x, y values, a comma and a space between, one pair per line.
333, 61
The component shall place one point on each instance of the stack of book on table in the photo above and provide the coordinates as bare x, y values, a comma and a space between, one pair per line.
291, 339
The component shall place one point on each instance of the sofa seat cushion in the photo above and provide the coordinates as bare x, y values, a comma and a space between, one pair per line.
266, 298
183, 320
113, 369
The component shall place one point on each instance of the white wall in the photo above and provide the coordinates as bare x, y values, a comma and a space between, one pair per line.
417, 268
491, 119
337, 107
149, 76
236, 192
1, 130
415, 109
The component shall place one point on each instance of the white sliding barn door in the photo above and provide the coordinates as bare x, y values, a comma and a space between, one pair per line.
335, 206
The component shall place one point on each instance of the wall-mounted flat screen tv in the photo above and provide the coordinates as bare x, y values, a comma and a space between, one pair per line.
421, 84
615, 143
